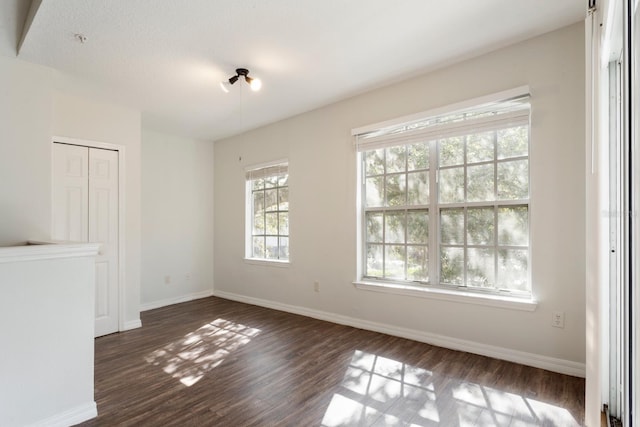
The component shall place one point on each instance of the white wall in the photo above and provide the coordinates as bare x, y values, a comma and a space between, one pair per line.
83, 118
32, 110
177, 207
322, 164
25, 166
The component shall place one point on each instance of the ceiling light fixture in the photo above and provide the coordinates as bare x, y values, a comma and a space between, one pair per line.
255, 84
80, 37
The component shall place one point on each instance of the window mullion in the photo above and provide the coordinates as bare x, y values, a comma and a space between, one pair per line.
434, 215
363, 216
495, 209
264, 221
465, 184
384, 214
406, 254
495, 245
495, 165
277, 212
406, 217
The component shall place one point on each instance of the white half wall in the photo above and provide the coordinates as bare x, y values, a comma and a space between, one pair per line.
47, 357
322, 165
177, 207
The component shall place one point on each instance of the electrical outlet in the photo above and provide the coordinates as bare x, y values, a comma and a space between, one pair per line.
316, 286
557, 319
167, 280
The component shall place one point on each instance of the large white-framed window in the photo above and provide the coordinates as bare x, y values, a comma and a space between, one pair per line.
267, 212
444, 198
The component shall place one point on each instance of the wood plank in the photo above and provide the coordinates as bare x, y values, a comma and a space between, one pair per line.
214, 362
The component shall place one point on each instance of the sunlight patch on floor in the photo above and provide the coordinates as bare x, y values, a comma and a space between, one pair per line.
191, 357
378, 391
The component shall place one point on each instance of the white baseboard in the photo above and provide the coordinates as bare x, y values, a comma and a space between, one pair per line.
70, 417
176, 300
562, 366
132, 324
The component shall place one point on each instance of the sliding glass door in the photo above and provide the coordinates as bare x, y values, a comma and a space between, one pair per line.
617, 245
621, 390
632, 125
624, 397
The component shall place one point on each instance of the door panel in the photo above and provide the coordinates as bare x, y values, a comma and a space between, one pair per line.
70, 193
103, 228
85, 209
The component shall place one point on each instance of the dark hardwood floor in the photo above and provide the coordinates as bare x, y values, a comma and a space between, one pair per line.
214, 362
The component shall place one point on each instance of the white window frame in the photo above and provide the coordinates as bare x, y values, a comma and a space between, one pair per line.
384, 132
249, 258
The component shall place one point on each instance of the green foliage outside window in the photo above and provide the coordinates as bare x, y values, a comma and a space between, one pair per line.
270, 217
480, 202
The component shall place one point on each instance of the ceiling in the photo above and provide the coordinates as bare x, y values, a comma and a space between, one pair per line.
167, 57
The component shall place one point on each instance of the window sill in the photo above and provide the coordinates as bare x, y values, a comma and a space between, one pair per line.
268, 262
502, 301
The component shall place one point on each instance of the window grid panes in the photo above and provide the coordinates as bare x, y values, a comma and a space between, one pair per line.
397, 213
477, 184
269, 213
484, 216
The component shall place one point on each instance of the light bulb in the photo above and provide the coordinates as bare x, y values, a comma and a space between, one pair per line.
256, 84
224, 86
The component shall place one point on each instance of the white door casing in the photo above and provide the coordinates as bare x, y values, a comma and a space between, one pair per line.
85, 209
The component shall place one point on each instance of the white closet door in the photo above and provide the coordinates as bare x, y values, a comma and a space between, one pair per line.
70, 193
85, 209
103, 228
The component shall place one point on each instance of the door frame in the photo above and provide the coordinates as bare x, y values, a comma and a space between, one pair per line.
120, 149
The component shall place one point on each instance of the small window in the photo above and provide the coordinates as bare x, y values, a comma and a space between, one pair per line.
267, 189
445, 200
